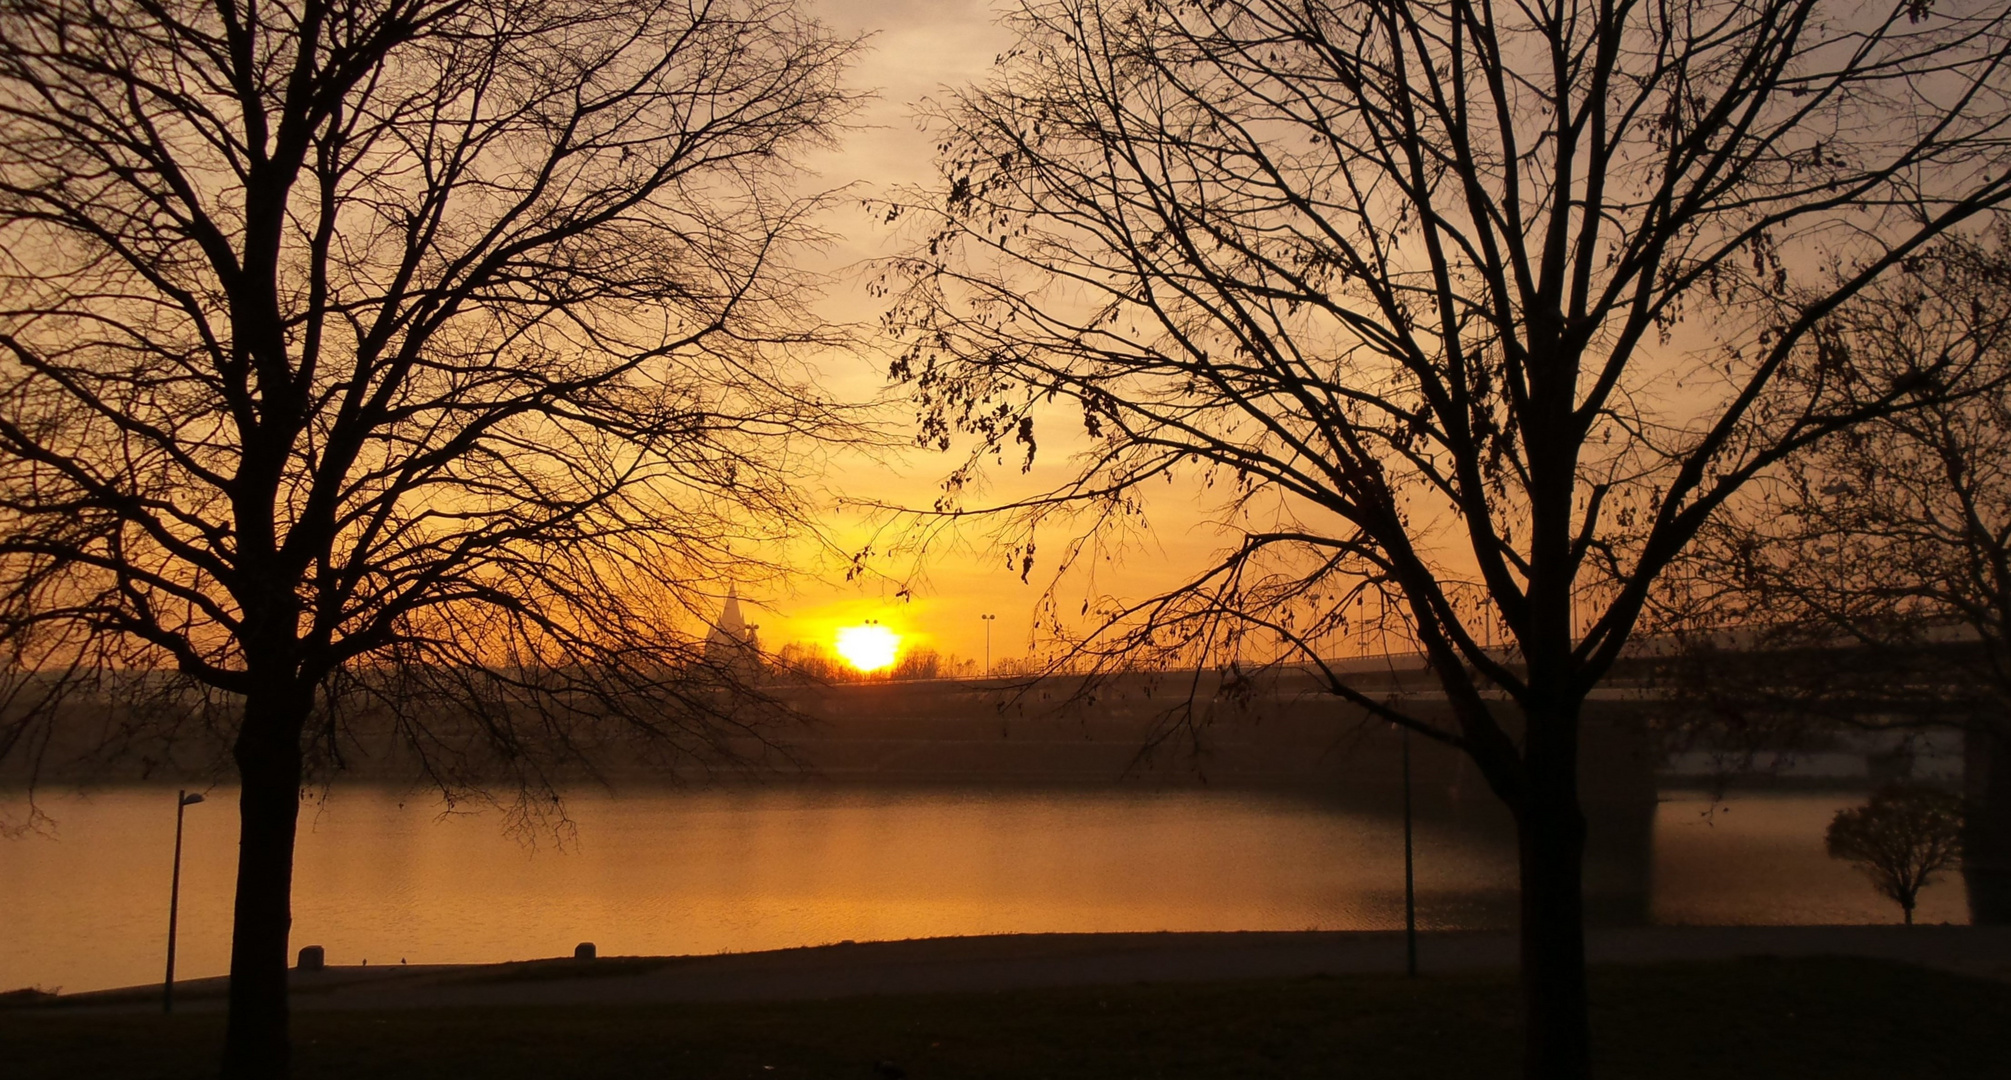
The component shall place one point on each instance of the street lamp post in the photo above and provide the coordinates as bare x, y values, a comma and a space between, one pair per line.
1410, 875
183, 800
989, 619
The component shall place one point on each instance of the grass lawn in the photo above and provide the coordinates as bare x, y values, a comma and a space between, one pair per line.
1832, 1019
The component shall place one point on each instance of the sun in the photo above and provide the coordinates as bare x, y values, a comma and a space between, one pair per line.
868, 648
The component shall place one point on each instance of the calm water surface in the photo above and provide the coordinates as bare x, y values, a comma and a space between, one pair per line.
383, 877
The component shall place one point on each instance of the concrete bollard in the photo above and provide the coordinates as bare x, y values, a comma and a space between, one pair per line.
583, 951
312, 958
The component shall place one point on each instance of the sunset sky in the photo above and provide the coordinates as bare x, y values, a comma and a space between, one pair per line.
918, 48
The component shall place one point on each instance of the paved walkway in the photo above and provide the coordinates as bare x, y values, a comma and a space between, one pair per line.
974, 964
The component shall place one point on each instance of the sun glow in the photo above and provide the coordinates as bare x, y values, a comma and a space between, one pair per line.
868, 648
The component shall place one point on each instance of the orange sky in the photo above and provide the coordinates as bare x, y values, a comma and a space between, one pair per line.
918, 48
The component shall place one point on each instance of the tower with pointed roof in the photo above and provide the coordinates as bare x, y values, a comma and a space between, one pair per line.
731, 642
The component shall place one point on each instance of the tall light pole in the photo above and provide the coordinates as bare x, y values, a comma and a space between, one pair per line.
183, 800
989, 619
1410, 875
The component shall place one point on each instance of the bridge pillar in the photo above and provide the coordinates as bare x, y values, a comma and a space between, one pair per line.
1617, 788
1986, 843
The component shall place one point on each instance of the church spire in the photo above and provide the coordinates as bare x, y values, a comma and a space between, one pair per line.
731, 641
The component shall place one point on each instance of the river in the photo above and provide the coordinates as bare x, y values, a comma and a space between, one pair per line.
387, 877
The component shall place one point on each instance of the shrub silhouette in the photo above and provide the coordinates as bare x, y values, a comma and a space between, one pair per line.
1901, 839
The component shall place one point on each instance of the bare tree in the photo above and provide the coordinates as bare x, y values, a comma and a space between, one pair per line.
1900, 839
1881, 557
1481, 310
428, 355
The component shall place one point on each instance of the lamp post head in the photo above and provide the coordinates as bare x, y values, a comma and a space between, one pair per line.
191, 798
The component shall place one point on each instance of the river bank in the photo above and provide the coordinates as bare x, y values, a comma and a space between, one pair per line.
1010, 962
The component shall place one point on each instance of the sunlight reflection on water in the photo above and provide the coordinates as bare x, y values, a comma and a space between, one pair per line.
383, 877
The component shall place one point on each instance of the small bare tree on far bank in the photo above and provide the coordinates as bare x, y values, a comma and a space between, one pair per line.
1473, 316
1901, 839
1867, 581
422, 357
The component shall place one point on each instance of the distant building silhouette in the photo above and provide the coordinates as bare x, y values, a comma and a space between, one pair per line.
731, 643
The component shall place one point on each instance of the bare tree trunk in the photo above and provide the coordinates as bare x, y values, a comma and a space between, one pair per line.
1986, 843
1550, 828
256, 1041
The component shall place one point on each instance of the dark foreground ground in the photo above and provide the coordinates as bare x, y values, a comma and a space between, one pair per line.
1818, 1017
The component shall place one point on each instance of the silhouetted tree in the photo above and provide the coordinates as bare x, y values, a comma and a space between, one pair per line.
919, 664
417, 355
1900, 839
1879, 560
813, 663
1482, 310
810, 662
